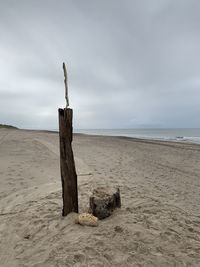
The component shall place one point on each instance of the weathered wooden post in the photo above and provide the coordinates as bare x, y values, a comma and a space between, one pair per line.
67, 164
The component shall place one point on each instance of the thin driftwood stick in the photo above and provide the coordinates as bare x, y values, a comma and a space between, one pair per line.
66, 85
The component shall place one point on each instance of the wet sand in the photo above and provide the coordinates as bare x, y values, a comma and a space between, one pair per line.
158, 224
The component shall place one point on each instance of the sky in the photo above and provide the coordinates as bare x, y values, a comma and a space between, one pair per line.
130, 63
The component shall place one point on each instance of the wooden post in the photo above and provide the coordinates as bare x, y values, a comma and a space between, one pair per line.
67, 164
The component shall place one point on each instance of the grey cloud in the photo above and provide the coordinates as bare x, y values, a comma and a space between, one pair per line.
130, 63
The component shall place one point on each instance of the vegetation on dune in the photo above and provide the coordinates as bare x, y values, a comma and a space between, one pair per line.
7, 126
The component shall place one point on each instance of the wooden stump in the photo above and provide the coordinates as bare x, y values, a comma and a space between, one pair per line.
67, 164
103, 201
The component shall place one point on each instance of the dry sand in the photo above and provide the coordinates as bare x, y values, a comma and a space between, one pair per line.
158, 224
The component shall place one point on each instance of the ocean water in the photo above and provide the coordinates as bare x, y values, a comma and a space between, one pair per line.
191, 135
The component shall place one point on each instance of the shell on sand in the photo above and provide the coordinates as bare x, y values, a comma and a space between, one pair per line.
87, 219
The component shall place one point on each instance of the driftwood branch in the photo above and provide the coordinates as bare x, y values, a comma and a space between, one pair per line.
67, 163
66, 85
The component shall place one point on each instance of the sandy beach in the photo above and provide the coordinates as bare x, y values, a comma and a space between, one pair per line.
157, 225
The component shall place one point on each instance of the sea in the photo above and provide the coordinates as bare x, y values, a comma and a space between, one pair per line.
189, 135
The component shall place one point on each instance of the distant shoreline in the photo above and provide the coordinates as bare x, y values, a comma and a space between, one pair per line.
146, 139
143, 140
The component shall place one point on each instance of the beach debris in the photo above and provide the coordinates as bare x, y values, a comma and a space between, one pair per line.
67, 163
27, 236
66, 85
103, 201
87, 219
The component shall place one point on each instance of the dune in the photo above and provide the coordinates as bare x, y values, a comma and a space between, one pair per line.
157, 225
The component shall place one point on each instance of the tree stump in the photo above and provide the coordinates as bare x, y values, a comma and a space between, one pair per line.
103, 201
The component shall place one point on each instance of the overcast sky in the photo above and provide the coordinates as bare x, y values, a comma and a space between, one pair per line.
130, 63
